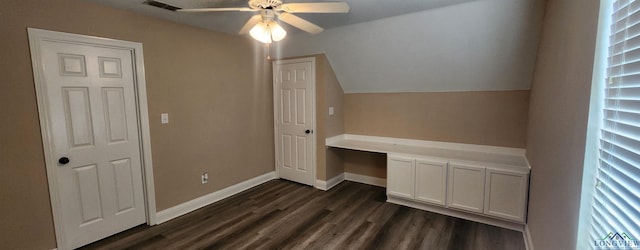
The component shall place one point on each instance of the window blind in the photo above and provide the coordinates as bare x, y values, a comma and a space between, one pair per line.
616, 200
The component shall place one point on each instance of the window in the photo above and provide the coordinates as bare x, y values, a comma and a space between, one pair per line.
615, 192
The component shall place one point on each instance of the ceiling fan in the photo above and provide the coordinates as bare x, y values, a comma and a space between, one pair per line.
264, 28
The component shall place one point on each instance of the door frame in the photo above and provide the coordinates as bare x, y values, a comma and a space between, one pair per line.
312, 60
36, 37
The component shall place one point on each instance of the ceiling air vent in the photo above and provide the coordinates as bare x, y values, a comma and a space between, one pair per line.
161, 5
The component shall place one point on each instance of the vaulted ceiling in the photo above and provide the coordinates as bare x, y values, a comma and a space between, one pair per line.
231, 22
483, 45
399, 45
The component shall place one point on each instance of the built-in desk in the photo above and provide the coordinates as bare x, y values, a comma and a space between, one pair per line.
476, 182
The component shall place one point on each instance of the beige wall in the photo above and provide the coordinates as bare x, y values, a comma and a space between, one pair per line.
334, 124
215, 87
497, 118
558, 120
365, 163
321, 117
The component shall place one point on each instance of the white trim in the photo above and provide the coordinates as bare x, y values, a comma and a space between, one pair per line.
528, 243
454, 213
335, 139
145, 133
192, 205
320, 184
36, 36
594, 124
326, 185
365, 179
314, 136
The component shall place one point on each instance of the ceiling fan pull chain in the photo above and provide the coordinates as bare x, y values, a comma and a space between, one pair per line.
268, 52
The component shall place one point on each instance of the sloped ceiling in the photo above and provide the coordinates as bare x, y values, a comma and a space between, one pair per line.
401, 45
232, 22
485, 45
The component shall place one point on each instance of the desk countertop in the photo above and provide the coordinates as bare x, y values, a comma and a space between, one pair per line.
486, 155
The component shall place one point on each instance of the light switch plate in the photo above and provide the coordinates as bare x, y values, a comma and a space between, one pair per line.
330, 110
164, 118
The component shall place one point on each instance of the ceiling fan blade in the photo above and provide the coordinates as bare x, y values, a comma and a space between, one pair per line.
218, 9
331, 7
250, 24
300, 23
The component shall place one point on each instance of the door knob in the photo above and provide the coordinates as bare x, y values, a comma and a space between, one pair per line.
308, 131
63, 160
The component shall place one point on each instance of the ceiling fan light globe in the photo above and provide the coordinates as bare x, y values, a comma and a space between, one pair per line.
277, 32
261, 33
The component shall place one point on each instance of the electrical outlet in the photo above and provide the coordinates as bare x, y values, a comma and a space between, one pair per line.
164, 118
205, 178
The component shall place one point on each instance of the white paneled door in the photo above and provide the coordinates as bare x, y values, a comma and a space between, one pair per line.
294, 105
94, 140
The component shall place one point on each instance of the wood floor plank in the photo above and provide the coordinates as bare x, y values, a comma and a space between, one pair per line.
359, 237
349, 218
416, 231
392, 232
284, 215
247, 233
312, 237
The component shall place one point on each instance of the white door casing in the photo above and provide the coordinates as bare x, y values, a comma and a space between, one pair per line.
294, 121
92, 106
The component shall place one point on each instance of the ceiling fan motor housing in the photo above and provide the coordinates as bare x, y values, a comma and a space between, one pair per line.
264, 4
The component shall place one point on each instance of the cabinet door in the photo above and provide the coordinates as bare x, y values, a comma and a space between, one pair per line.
400, 172
431, 181
506, 194
466, 186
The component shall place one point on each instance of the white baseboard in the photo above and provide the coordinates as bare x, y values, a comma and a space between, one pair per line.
528, 243
375, 181
326, 185
189, 206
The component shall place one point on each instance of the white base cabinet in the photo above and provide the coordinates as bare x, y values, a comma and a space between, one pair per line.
472, 187
431, 181
420, 179
506, 194
466, 187
400, 183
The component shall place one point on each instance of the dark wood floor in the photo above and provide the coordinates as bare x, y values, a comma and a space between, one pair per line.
286, 215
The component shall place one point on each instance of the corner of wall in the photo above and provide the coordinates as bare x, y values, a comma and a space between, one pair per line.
560, 94
329, 94
334, 123
528, 243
